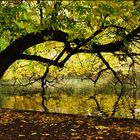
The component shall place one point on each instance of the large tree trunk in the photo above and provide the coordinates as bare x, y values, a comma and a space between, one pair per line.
4, 66
5, 62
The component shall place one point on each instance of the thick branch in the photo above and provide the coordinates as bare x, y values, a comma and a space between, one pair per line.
112, 47
83, 41
14, 51
23, 43
41, 59
133, 33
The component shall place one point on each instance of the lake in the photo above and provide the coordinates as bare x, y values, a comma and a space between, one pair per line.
71, 96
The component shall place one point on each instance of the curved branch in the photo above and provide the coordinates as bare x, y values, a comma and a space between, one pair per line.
29, 40
108, 67
83, 41
99, 74
40, 59
14, 51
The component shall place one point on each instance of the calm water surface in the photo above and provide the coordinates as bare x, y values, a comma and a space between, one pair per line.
72, 97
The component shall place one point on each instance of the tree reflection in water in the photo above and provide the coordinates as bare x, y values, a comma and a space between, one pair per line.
84, 100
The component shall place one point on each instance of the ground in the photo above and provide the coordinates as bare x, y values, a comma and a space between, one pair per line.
35, 125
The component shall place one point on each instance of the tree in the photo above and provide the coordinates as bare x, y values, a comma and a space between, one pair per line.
53, 32
98, 28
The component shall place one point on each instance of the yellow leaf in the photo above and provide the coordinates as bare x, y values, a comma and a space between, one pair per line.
101, 127
21, 135
73, 130
23, 121
34, 133
45, 134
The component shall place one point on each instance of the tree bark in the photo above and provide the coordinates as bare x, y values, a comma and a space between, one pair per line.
16, 49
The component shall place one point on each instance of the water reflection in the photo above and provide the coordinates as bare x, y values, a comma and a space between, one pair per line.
22, 102
74, 98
